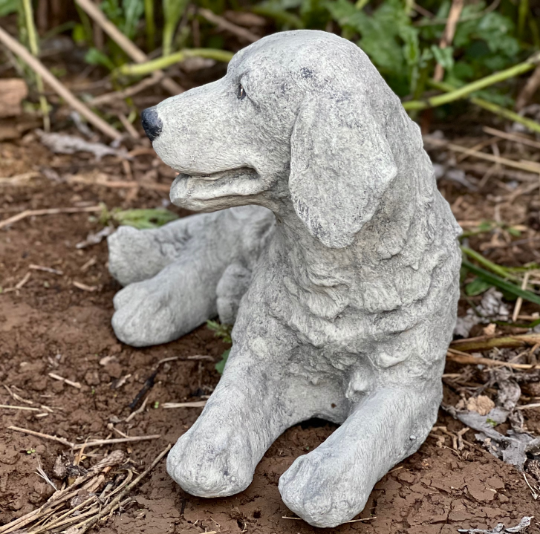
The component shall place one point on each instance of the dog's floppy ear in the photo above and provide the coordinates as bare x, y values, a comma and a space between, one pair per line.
341, 164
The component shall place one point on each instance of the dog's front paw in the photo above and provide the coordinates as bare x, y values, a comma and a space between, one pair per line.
325, 489
212, 462
144, 315
134, 255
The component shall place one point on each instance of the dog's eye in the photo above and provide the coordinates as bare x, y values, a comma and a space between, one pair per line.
241, 92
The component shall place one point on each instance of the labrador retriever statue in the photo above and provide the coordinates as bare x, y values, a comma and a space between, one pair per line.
334, 252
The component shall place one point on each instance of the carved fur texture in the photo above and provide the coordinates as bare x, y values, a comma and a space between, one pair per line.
333, 250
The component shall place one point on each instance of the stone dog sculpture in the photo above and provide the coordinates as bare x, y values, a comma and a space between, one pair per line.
343, 275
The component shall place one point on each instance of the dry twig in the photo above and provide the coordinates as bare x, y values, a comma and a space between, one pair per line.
68, 382
529, 166
469, 359
58, 87
51, 211
136, 54
196, 404
491, 342
224, 24
448, 36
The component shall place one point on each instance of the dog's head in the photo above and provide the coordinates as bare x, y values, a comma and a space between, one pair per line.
301, 116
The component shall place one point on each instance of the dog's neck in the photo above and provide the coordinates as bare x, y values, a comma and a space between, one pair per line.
327, 280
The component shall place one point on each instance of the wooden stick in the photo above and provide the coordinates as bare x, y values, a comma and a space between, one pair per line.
221, 23
135, 53
490, 342
120, 185
40, 435
528, 91
448, 36
130, 91
68, 382
531, 166
130, 439
527, 406
196, 404
51, 211
116, 502
95, 443
28, 408
468, 359
38, 67
519, 301
518, 138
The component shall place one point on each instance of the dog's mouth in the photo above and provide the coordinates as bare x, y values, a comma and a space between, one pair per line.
191, 189
229, 173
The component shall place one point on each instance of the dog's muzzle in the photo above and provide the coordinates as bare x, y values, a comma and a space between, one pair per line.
151, 123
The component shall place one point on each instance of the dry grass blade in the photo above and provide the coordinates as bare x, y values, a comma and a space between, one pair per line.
518, 138
45, 269
65, 380
196, 404
123, 42
490, 342
468, 359
117, 501
46, 517
223, 24
130, 439
58, 87
448, 35
528, 406
41, 435
529, 166
28, 408
51, 211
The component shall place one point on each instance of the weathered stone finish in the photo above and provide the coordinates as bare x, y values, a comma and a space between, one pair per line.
334, 253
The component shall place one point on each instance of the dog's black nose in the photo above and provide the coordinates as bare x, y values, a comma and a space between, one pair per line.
151, 123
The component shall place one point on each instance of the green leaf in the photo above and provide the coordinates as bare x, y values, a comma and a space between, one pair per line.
172, 12
223, 331
278, 11
444, 56
220, 366
144, 219
496, 281
79, 34
477, 287
8, 6
95, 57
133, 11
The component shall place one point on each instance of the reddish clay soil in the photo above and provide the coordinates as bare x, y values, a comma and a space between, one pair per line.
51, 326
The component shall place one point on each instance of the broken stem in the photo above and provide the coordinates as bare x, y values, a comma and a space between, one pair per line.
142, 69
466, 90
491, 107
34, 49
480, 344
497, 269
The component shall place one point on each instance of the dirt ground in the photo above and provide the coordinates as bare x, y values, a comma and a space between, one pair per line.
48, 325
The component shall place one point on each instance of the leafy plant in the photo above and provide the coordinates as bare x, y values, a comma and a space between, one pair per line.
8, 6
501, 283
222, 331
142, 219
172, 13
220, 366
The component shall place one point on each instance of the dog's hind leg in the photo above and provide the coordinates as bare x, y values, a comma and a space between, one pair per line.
332, 484
172, 274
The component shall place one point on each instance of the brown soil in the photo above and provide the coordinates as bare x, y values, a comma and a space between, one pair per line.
51, 326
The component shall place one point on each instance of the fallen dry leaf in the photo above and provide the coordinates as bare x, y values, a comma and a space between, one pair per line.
12, 92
